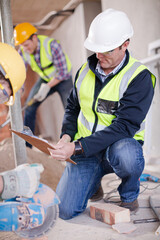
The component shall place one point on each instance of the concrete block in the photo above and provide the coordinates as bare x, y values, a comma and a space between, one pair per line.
109, 213
124, 228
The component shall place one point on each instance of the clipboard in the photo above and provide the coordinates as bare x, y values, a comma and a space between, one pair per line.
39, 143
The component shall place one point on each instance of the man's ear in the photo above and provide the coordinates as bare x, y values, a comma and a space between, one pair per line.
35, 39
125, 45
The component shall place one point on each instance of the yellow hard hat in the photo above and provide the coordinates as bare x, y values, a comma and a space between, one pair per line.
22, 32
13, 68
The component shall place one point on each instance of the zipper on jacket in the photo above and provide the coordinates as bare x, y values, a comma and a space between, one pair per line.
96, 94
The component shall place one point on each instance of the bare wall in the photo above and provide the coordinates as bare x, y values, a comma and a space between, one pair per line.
145, 18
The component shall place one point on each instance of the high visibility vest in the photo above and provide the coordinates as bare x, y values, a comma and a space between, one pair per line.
93, 117
47, 70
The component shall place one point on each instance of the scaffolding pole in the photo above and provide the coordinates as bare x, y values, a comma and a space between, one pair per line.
19, 147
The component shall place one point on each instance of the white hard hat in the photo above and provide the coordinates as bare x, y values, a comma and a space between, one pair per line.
108, 31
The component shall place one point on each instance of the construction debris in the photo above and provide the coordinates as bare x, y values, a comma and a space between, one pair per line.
124, 227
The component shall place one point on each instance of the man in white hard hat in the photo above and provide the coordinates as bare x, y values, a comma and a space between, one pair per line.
104, 122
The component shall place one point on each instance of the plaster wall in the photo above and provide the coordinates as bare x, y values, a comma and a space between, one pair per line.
71, 34
145, 18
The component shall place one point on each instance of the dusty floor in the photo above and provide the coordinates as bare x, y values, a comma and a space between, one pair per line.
52, 172
83, 227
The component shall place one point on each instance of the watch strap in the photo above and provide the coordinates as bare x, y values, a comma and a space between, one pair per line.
78, 148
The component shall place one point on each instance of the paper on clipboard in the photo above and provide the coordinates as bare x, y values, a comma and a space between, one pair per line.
39, 143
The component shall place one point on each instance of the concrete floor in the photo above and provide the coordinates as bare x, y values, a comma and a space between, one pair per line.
85, 228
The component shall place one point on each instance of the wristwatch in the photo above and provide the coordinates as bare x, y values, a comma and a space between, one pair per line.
78, 148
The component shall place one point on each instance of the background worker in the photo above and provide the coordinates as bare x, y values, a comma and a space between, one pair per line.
23, 180
46, 57
103, 126
12, 76
25, 207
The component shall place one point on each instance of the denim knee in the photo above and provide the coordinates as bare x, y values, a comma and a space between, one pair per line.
65, 213
76, 186
29, 110
126, 157
30, 113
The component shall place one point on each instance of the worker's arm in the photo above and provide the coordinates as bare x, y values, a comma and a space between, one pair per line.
59, 61
69, 125
62, 74
44, 89
21, 181
65, 138
62, 150
53, 82
65, 148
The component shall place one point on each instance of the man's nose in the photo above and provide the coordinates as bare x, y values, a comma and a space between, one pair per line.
99, 55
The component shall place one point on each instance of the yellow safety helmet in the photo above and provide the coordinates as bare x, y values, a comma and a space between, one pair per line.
22, 32
13, 68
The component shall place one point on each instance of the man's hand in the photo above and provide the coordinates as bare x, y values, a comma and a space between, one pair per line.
42, 93
22, 181
62, 150
65, 138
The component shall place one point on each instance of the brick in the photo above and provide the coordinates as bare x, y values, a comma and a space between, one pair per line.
109, 213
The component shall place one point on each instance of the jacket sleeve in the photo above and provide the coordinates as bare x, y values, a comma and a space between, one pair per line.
133, 108
72, 110
59, 61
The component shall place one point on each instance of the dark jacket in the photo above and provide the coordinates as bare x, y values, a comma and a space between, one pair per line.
133, 108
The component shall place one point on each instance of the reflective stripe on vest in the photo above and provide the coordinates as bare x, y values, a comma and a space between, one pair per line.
47, 70
86, 120
126, 78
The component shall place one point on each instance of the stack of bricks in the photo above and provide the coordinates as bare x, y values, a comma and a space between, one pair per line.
4, 132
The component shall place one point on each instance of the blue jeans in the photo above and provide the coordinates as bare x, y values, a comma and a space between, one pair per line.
79, 182
63, 88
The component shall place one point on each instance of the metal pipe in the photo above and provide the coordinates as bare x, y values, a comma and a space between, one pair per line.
19, 147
